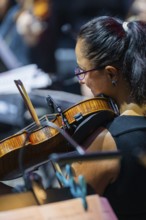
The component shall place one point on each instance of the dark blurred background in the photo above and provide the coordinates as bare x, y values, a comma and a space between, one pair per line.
43, 32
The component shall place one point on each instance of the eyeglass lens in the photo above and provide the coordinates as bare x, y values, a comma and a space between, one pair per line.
79, 71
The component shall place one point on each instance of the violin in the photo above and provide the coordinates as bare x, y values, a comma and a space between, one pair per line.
41, 9
39, 140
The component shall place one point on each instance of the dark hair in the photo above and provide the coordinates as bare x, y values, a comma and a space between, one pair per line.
108, 43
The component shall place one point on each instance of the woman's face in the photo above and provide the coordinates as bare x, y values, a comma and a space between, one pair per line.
98, 81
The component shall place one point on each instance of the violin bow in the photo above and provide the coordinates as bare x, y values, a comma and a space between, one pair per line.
27, 101
33, 113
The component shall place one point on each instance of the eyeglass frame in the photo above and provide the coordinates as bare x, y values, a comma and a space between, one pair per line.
84, 72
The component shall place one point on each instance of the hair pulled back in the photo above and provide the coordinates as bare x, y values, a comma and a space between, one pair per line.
109, 42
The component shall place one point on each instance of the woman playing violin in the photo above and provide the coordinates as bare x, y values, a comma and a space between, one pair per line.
111, 58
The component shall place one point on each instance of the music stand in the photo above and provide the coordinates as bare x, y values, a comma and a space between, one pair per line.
75, 156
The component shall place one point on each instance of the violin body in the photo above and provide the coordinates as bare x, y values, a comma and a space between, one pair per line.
39, 143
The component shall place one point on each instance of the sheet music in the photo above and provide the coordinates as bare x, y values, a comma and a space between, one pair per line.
70, 209
30, 75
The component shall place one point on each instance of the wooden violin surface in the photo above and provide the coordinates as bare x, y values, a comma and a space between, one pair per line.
39, 143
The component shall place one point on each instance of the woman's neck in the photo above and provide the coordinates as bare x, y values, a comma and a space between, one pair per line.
132, 109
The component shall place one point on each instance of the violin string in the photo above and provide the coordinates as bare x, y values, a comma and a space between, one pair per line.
74, 144
33, 125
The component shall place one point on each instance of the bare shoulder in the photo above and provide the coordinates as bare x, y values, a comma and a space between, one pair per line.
103, 141
99, 173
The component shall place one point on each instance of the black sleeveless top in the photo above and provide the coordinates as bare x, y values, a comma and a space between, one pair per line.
127, 195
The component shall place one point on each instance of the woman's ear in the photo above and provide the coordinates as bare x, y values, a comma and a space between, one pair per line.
112, 73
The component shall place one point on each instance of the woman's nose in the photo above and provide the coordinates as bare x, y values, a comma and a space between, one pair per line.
82, 81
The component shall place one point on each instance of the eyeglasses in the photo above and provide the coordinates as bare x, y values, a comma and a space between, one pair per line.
81, 73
